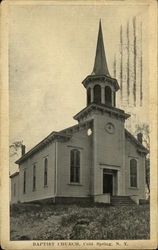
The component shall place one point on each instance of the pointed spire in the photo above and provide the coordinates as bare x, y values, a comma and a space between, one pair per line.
100, 64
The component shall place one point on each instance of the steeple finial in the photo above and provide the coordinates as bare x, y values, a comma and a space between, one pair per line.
100, 64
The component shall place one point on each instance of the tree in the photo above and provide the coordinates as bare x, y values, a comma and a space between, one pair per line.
14, 147
144, 129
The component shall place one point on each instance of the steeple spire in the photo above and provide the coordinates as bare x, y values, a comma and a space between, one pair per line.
100, 64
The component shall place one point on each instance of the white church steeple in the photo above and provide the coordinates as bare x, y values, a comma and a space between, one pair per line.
100, 86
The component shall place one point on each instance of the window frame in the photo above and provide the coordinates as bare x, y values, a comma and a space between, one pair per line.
76, 168
97, 92
107, 95
46, 172
88, 96
34, 178
133, 174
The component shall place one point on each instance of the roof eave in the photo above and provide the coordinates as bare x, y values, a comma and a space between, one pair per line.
103, 77
48, 139
104, 108
142, 149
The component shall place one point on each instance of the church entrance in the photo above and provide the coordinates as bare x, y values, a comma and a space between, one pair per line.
107, 183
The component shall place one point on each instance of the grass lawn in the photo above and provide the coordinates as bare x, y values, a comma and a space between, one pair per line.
76, 222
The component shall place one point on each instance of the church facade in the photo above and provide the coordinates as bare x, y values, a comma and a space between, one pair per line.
95, 159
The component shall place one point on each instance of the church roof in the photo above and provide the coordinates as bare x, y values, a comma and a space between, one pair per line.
135, 141
52, 136
64, 134
100, 63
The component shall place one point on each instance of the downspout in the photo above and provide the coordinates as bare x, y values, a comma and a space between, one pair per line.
55, 175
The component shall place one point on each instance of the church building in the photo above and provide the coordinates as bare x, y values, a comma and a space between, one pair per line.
95, 160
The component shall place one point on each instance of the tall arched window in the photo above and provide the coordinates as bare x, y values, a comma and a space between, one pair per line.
75, 165
34, 177
97, 94
88, 96
133, 173
45, 172
108, 95
114, 99
24, 182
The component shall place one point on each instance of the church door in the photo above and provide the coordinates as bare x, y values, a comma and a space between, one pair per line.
107, 183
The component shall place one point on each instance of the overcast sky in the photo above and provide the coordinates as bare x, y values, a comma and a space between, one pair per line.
51, 50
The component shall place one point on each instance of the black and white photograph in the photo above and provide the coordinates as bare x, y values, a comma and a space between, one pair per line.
79, 106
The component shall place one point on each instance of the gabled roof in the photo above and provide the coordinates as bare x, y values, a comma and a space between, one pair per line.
54, 135
135, 141
63, 135
100, 63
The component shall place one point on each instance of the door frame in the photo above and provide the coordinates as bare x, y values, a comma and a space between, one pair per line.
114, 173
104, 173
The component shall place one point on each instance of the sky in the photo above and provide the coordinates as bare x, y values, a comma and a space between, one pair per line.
51, 51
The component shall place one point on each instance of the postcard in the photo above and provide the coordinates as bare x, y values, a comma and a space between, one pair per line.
79, 124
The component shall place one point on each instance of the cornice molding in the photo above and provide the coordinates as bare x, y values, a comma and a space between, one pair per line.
100, 78
103, 109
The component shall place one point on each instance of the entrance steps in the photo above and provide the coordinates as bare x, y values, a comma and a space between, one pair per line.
121, 201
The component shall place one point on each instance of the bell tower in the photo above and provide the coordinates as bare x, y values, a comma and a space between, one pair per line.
107, 127
100, 86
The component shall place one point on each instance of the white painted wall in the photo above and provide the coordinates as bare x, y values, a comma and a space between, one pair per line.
41, 192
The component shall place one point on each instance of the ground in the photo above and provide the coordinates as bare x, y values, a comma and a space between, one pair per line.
76, 222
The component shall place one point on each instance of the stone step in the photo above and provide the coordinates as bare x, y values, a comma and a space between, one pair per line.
120, 197
121, 200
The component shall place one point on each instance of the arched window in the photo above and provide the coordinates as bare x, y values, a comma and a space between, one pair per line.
88, 96
108, 95
24, 182
114, 99
75, 165
97, 94
45, 172
34, 177
133, 173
